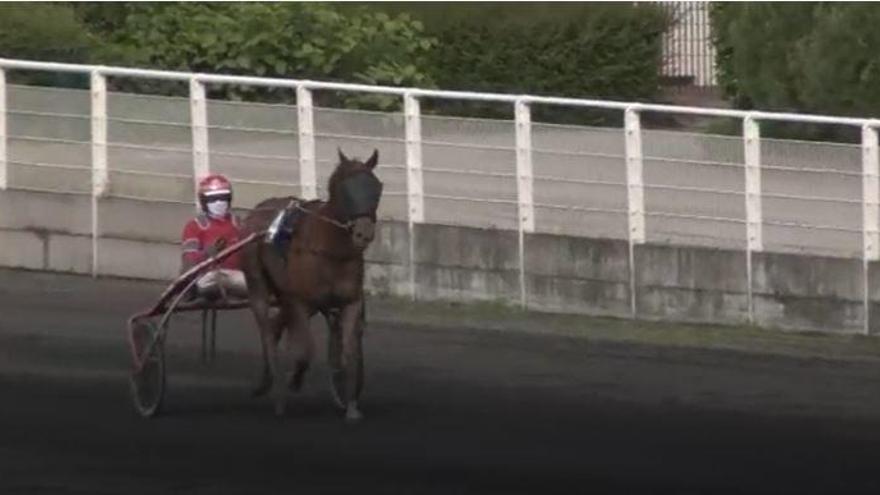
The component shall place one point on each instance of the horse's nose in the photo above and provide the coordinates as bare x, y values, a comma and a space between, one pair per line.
363, 232
360, 240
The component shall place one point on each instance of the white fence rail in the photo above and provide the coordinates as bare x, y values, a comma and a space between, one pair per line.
633, 183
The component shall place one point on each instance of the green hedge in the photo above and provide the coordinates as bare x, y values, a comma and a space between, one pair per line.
301, 40
577, 50
44, 31
803, 57
608, 51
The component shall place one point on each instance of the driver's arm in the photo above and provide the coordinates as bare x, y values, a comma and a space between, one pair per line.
193, 251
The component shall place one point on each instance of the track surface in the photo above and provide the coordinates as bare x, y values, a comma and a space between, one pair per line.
448, 411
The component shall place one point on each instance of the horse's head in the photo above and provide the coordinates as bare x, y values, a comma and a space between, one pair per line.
355, 193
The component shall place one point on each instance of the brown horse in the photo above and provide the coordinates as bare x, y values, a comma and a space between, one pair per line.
322, 270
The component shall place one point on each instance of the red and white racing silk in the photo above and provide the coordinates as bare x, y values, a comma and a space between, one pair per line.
202, 232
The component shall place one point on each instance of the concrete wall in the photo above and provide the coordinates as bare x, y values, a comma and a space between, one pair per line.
577, 275
52, 232
691, 284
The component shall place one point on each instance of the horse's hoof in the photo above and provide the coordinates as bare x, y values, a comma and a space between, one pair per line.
261, 389
353, 415
296, 381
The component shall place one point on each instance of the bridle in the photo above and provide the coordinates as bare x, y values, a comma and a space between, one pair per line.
352, 212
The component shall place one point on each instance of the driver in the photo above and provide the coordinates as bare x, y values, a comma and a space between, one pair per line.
211, 231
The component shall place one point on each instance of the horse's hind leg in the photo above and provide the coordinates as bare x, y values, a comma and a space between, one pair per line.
279, 393
301, 342
334, 341
270, 326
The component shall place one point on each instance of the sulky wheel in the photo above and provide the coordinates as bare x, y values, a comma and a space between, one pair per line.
148, 384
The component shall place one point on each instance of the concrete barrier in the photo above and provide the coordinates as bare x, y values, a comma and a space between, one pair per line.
466, 264
691, 284
51, 231
577, 275
810, 292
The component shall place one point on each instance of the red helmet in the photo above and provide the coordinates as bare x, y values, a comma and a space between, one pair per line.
214, 185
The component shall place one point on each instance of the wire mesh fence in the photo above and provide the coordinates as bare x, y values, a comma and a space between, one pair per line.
812, 197
610, 177
694, 187
256, 146
149, 147
358, 133
469, 172
48, 139
580, 183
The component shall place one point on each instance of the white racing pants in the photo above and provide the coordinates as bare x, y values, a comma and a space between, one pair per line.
232, 282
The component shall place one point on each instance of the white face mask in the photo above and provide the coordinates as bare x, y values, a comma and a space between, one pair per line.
218, 209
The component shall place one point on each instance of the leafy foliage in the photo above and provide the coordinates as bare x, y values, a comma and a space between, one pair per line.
577, 50
587, 50
841, 61
300, 40
43, 31
814, 57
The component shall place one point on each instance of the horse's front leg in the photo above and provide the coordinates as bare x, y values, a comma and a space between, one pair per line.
270, 327
350, 325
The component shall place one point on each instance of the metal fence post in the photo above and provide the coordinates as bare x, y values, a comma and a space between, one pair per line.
635, 194
870, 213
98, 88
199, 125
415, 199
754, 215
524, 188
99, 134
3, 163
306, 125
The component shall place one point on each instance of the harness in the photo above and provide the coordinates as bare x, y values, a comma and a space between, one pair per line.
283, 227
359, 193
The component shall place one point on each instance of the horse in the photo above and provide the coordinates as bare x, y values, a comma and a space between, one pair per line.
320, 271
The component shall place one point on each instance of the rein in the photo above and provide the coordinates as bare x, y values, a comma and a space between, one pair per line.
332, 221
297, 204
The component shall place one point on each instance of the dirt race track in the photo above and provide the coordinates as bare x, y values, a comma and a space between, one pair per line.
448, 410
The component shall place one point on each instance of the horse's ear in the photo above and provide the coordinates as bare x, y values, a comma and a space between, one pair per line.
342, 157
373, 160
